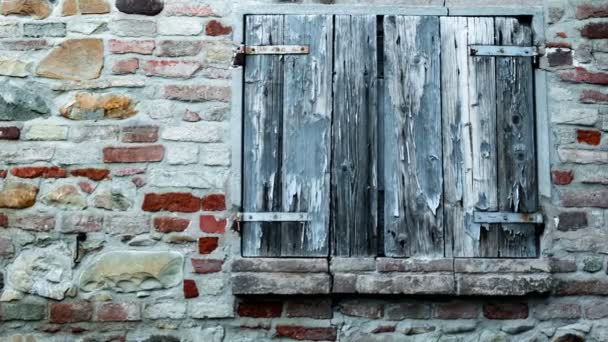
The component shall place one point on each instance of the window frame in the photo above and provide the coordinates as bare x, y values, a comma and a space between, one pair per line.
536, 13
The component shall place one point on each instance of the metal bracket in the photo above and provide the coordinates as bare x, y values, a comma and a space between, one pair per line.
273, 217
243, 50
504, 217
503, 51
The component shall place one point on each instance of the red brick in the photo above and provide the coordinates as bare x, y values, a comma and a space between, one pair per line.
140, 154
581, 198
561, 45
212, 225
206, 266
381, 329
593, 96
3, 173
10, 133
197, 93
189, 9
585, 11
574, 287
456, 310
129, 172
125, 66
143, 47
170, 224
3, 220
33, 222
165, 68
214, 202
24, 44
86, 187
362, 309
260, 308
505, 310
117, 312
206, 245
62, 313
559, 57
561, 34
140, 134
588, 137
322, 308
172, 201
581, 75
216, 28
255, 326
298, 332
39, 171
562, 177
595, 30
190, 289
92, 174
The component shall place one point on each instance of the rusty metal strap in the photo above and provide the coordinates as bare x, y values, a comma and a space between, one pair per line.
506, 217
273, 217
503, 51
274, 49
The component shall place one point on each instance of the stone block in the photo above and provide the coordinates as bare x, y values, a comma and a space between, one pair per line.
503, 284
280, 283
294, 265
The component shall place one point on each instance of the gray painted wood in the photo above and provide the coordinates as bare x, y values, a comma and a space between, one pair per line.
262, 140
517, 183
307, 108
354, 178
413, 149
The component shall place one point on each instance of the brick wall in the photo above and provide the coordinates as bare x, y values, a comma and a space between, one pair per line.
116, 222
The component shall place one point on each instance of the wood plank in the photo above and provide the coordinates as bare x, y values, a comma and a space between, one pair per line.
354, 185
262, 136
307, 107
457, 149
413, 147
517, 181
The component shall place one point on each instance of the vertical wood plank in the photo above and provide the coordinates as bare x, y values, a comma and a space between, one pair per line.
262, 136
307, 107
354, 185
517, 183
457, 148
413, 147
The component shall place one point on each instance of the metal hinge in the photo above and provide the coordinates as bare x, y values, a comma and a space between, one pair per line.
273, 217
503, 51
243, 50
505, 217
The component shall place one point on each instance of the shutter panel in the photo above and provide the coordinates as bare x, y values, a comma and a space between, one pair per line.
354, 188
413, 176
287, 142
488, 137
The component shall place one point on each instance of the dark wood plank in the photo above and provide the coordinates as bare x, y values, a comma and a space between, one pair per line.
517, 183
354, 185
262, 141
307, 107
413, 172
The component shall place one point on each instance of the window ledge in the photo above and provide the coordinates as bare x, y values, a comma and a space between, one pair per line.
457, 277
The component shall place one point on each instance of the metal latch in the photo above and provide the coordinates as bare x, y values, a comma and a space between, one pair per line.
505, 217
273, 217
243, 50
503, 51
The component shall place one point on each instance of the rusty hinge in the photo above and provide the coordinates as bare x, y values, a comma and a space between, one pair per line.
506, 217
243, 50
273, 217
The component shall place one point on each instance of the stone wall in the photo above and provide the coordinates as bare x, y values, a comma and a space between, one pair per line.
116, 216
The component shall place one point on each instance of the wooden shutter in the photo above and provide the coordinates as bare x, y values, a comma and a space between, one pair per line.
413, 175
287, 124
488, 133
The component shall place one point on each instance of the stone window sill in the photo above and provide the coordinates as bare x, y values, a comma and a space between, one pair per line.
458, 277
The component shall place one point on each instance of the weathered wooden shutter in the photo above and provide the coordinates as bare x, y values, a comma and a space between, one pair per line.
488, 133
287, 127
413, 175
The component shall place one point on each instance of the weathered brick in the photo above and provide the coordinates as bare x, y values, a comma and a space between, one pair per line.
117, 312
260, 308
503, 285
169, 68
579, 156
127, 224
562, 265
140, 134
590, 10
596, 310
558, 45
572, 220
189, 9
575, 287
190, 289
39, 171
589, 137
179, 26
562, 177
559, 57
3, 173
290, 265
125, 66
9, 29
24, 44
551, 311
197, 93
585, 198
23, 311
10, 133
298, 332
173, 201
91, 173
166, 309
321, 309
362, 309
212, 225
81, 223
216, 28
32, 222
206, 266
62, 313
140, 154
171, 224
581, 75
178, 48
142, 47
6, 246
260, 283
401, 311
595, 30
214, 202
414, 265
456, 310
505, 310
94, 133
206, 245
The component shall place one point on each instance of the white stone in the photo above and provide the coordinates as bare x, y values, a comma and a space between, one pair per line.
180, 26
14, 67
182, 154
45, 132
212, 307
200, 132
24, 154
9, 30
42, 271
201, 178
571, 155
213, 284
165, 309
197, 334
575, 116
84, 27
78, 154
133, 28
158, 109
215, 155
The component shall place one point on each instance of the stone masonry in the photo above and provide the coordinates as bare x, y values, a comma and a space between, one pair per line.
117, 221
